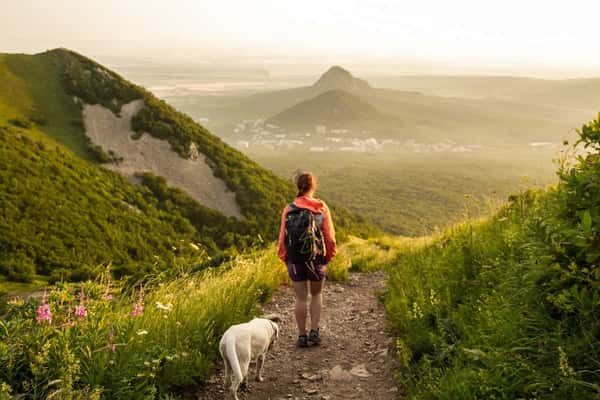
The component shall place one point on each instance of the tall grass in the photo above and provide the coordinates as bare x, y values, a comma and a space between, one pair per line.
111, 353
364, 255
508, 307
473, 322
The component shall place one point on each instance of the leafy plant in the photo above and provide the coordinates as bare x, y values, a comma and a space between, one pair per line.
507, 307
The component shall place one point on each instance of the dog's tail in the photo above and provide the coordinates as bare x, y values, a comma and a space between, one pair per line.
234, 364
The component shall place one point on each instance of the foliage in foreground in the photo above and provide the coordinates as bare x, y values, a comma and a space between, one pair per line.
507, 308
365, 255
97, 341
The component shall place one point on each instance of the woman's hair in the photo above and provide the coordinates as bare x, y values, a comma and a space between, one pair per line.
305, 181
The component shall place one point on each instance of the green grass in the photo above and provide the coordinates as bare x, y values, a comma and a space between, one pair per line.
172, 346
506, 307
364, 255
41, 97
472, 322
61, 217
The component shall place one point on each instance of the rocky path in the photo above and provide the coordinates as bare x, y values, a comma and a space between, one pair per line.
354, 360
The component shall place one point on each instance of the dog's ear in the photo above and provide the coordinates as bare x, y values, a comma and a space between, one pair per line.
275, 335
273, 317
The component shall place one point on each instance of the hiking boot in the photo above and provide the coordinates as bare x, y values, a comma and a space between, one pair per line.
314, 336
302, 341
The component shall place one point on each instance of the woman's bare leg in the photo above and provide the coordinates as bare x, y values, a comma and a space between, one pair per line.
316, 303
301, 291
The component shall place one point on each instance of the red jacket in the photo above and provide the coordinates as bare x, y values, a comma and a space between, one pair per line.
327, 228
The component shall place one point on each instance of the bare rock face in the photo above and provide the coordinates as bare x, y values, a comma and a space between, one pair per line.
148, 154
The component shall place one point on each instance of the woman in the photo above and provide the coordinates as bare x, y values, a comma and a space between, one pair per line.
308, 275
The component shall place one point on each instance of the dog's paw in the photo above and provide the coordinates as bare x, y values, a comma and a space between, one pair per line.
260, 379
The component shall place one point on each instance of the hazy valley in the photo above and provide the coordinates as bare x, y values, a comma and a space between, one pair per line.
393, 146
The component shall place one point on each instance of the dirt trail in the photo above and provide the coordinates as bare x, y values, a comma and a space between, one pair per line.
354, 360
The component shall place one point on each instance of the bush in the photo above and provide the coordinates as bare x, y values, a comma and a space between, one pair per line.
62, 214
129, 344
20, 123
18, 268
507, 307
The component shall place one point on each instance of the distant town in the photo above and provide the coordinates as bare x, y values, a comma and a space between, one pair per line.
257, 133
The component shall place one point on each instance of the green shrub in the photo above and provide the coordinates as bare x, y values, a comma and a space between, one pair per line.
507, 307
20, 123
62, 214
164, 348
18, 268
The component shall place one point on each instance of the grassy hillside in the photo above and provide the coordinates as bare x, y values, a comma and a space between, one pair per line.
413, 194
32, 94
507, 307
334, 109
259, 193
149, 343
65, 218
502, 308
67, 215
167, 347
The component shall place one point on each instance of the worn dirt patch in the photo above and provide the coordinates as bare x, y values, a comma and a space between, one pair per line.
148, 154
355, 360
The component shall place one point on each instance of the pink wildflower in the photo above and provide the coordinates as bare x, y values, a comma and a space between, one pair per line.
138, 309
107, 297
81, 312
44, 313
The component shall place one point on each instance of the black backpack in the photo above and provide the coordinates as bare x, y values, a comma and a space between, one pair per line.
303, 237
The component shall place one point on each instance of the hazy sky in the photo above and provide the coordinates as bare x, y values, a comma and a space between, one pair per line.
508, 34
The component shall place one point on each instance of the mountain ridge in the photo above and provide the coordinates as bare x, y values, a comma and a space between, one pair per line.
334, 108
42, 99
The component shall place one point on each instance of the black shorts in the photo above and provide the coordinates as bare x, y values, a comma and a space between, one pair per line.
305, 272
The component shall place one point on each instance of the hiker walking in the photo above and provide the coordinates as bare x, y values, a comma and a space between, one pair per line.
306, 245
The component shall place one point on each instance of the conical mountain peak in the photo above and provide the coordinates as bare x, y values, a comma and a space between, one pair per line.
337, 77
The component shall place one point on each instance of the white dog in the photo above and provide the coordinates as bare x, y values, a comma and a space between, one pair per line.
243, 343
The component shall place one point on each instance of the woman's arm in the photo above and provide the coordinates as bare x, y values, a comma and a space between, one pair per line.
281, 250
329, 235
